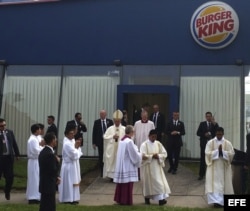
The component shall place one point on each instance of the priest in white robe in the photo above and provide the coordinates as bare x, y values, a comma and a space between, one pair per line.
126, 170
219, 154
111, 139
142, 128
69, 188
154, 182
33, 150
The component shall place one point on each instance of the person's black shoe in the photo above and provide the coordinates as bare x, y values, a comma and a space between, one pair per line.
169, 170
218, 205
7, 196
200, 178
162, 202
174, 172
72, 203
147, 201
33, 201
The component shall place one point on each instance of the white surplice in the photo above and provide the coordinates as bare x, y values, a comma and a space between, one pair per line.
69, 188
128, 162
219, 171
110, 149
33, 151
141, 131
154, 182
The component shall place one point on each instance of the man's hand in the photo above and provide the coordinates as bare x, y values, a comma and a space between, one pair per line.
94, 146
220, 148
77, 143
144, 157
207, 134
155, 156
116, 137
42, 143
174, 132
58, 159
58, 180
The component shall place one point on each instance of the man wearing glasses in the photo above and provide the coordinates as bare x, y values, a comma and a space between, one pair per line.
8, 150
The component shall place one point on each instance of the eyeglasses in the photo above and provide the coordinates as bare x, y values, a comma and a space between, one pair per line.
2, 125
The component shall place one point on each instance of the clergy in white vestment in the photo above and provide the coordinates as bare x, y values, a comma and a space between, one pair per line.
33, 150
154, 182
111, 138
69, 188
126, 169
219, 154
142, 128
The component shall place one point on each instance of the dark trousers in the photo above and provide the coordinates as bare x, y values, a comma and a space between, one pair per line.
203, 165
48, 202
174, 157
100, 158
6, 169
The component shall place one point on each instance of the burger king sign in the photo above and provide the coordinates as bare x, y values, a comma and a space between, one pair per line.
214, 25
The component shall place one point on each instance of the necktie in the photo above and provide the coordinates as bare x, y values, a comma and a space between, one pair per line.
209, 126
103, 126
155, 119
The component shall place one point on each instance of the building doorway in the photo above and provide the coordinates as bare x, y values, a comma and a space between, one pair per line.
130, 97
134, 101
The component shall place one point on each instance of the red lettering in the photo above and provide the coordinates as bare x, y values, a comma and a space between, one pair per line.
217, 16
218, 27
202, 31
228, 15
213, 17
215, 28
210, 18
229, 25
198, 22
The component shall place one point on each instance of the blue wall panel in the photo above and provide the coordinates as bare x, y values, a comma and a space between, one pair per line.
99, 31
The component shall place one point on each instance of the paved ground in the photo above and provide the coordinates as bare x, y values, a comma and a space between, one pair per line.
186, 190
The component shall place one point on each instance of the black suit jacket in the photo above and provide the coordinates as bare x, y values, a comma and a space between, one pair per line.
175, 140
52, 128
161, 124
12, 144
80, 129
49, 171
203, 128
247, 159
97, 134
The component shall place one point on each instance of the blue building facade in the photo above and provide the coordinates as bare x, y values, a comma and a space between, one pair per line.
145, 46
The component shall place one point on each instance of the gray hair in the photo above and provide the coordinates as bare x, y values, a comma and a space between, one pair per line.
129, 129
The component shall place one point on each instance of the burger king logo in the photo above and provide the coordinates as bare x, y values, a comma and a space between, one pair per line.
214, 25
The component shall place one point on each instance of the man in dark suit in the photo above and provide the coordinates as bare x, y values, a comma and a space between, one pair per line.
8, 150
99, 128
51, 125
49, 174
81, 127
206, 131
159, 120
175, 130
247, 164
